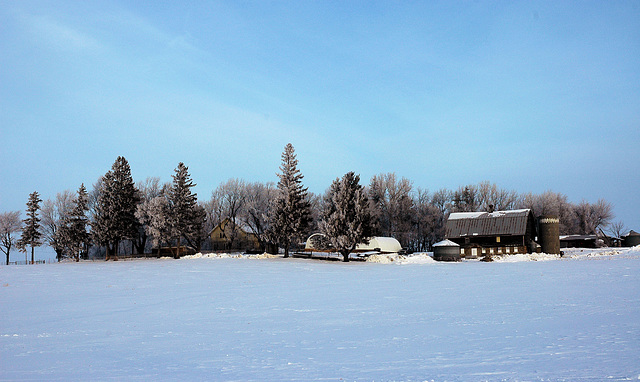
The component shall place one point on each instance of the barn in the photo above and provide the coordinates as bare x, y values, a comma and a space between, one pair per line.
492, 233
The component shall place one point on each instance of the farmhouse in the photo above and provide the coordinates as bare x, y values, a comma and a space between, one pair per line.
233, 236
499, 232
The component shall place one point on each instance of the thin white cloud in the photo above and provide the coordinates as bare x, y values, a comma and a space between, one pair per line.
54, 34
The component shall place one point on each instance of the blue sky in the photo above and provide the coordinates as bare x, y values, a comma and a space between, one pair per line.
533, 96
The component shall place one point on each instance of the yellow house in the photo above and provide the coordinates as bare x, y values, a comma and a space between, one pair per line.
229, 236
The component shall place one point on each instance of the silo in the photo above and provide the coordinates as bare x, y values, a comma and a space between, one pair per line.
632, 239
446, 250
549, 234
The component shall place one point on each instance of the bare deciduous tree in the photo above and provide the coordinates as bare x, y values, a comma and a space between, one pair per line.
10, 225
227, 202
148, 189
493, 198
392, 206
618, 229
53, 213
255, 214
428, 227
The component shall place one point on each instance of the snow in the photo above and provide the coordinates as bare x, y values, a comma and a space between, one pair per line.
246, 318
446, 243
475, 215
465, 215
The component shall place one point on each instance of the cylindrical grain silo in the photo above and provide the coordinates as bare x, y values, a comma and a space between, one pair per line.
632, 239
549, 234
446, 250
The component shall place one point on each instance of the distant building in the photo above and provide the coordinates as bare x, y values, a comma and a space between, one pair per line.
579, 241
631, 239
236, 237
376, 244
492, 233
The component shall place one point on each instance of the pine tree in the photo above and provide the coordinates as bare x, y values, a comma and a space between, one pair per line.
346, 220
73, 232
117, 201
31, 230
187, 217
291, 211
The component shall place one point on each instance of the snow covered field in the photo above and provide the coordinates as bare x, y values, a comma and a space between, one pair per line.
274, 319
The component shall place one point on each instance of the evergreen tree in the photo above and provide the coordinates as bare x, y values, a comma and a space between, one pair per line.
187, 217
291, 211
73, 232
31, 230
346, 219
115, 208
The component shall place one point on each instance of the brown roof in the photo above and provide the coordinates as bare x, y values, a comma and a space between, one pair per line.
499, 223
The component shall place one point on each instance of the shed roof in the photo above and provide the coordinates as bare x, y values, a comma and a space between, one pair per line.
446, 243
376, 243
469, 224
383, 244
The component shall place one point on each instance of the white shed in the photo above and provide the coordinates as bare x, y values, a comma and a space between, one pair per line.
381, 244
377, 244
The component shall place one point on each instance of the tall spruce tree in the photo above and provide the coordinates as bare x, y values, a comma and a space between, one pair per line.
187, 217
291, 211
114, 219
31, 230
73, 232
346, 219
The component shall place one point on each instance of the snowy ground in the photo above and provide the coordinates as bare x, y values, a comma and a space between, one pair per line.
233, 318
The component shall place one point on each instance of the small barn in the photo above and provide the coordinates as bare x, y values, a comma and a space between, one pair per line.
230, 236
492, 233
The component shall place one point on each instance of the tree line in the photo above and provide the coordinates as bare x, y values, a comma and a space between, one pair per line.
119, 216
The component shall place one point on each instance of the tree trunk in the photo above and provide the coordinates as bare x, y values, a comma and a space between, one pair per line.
345, 255
32, 254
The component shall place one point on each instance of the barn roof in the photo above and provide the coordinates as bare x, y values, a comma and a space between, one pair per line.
469, 224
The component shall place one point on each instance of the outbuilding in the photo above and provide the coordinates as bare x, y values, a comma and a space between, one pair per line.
446, 250
492, 233
631, 239
376, 244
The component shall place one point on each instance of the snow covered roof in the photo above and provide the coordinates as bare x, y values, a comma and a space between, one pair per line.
578, 237
495, 214
377, 243
446, 243
466, 224
383, 244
